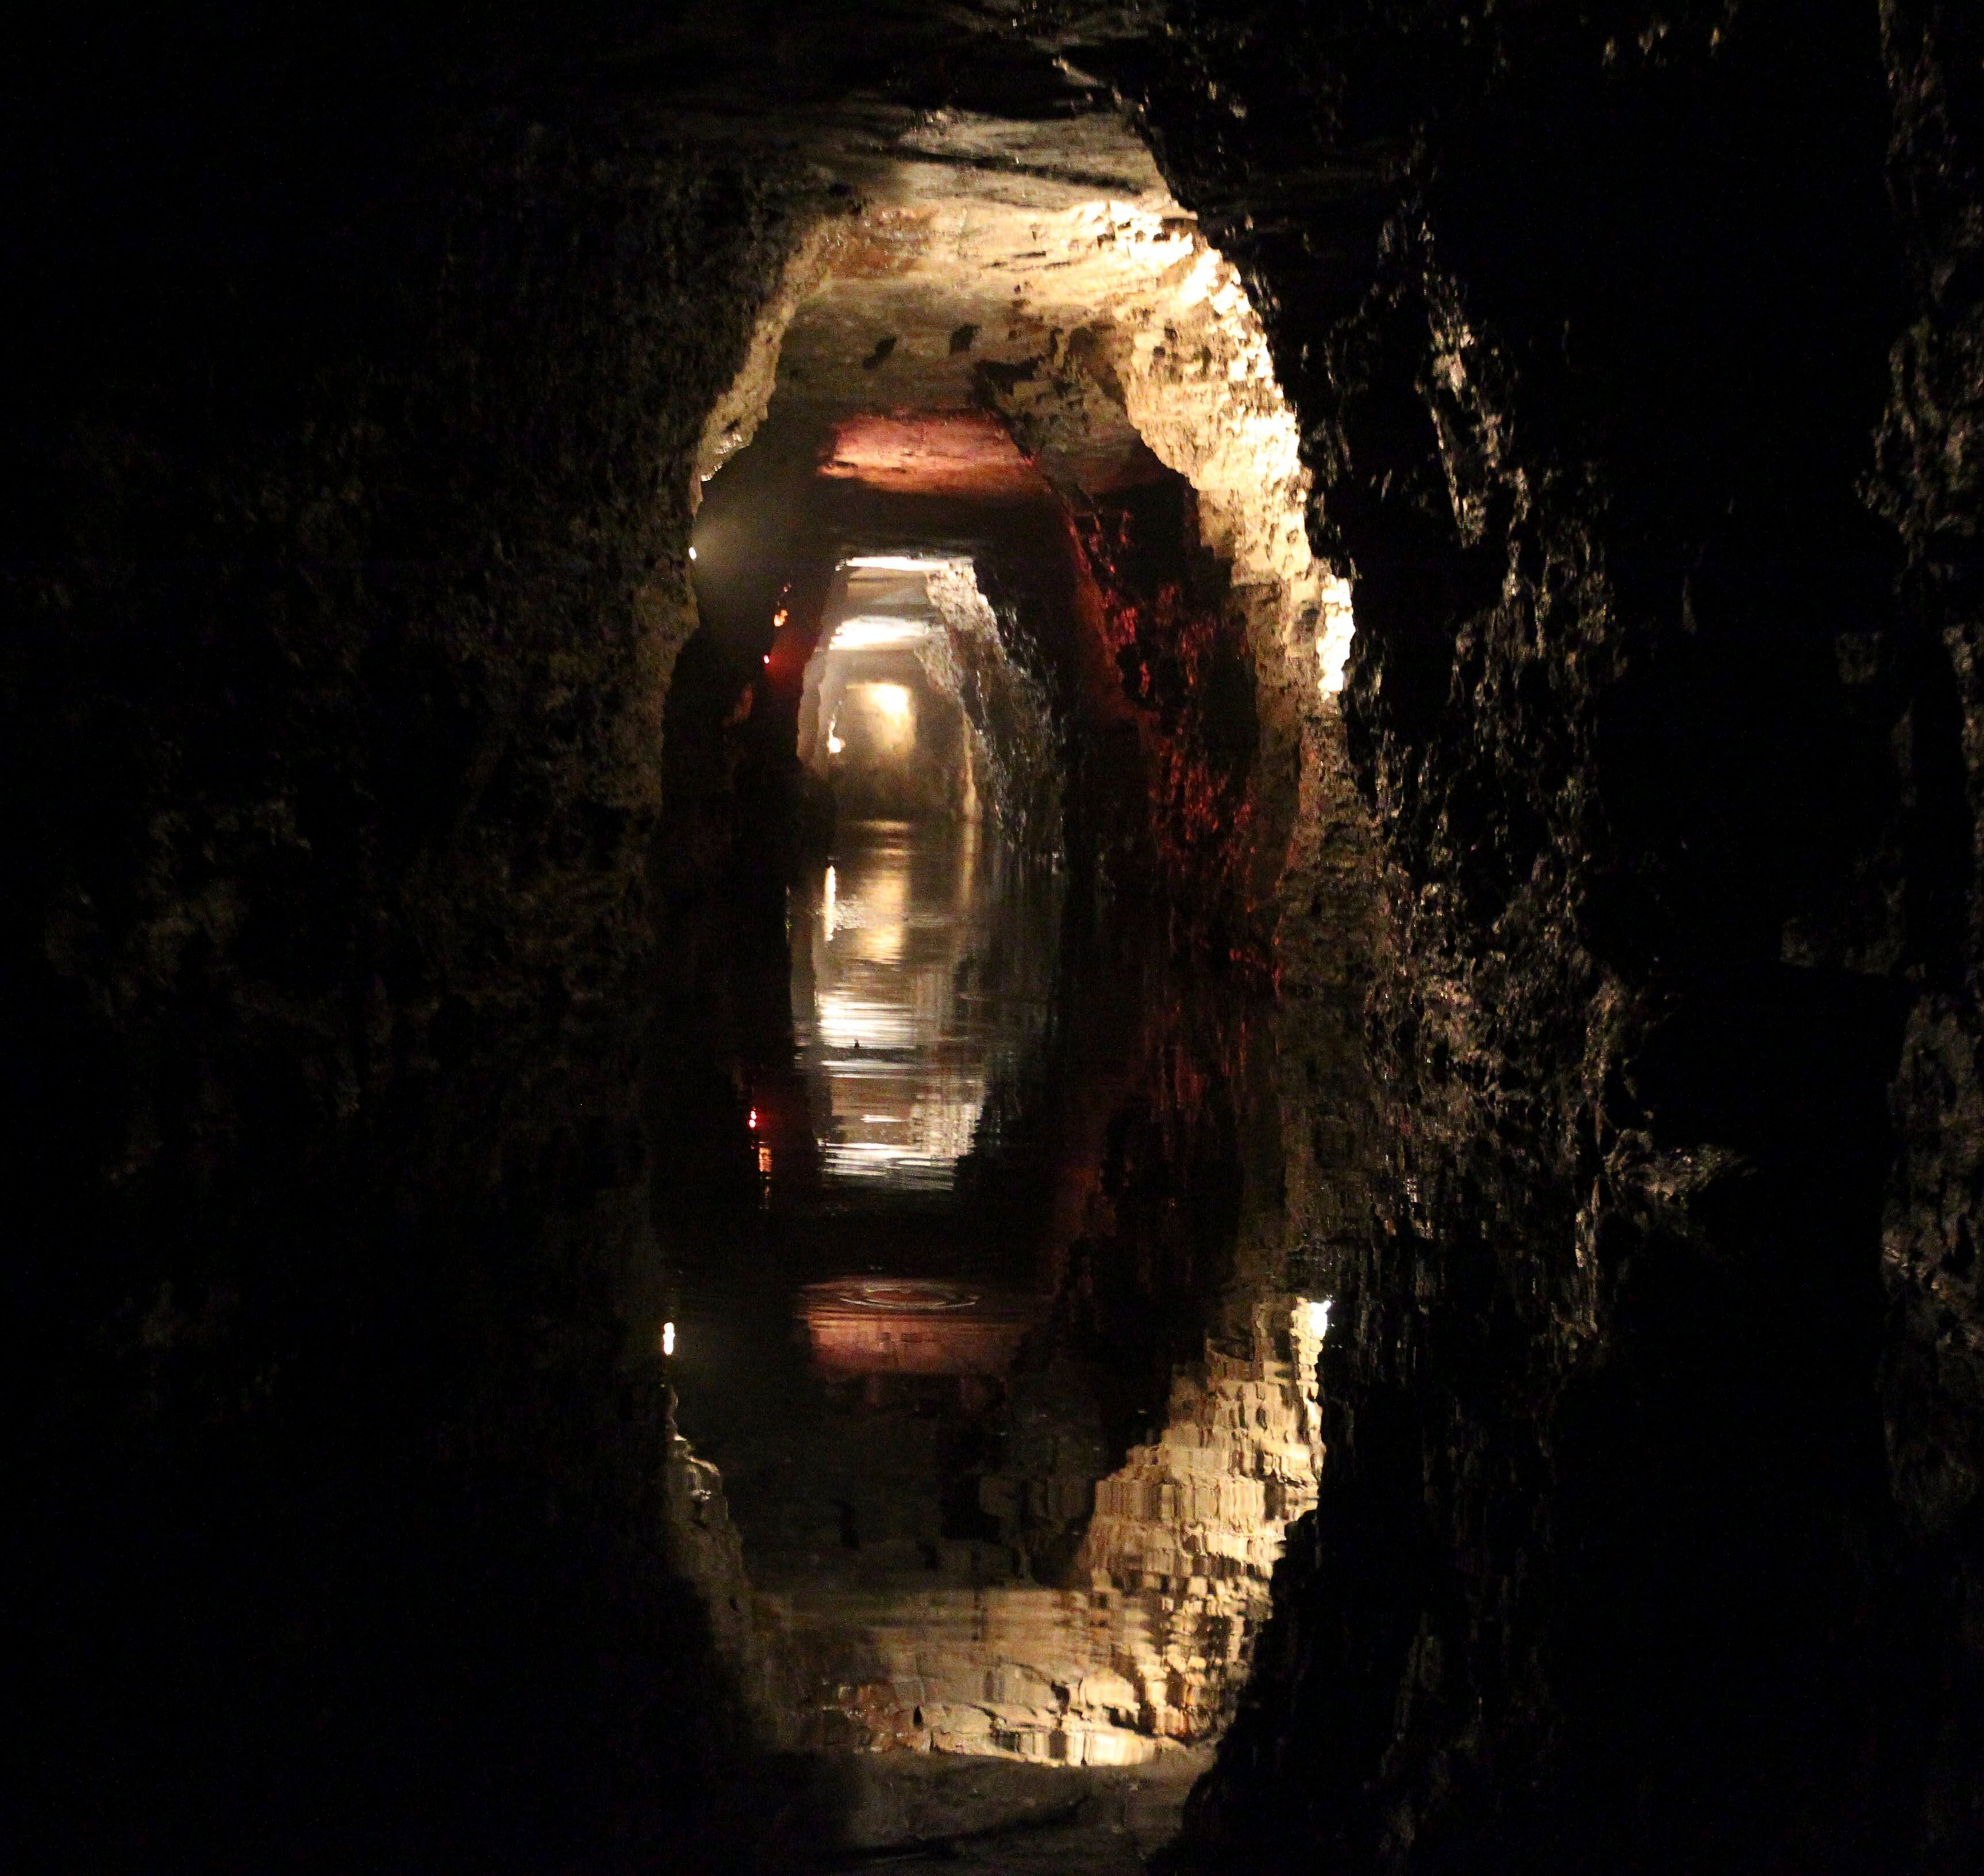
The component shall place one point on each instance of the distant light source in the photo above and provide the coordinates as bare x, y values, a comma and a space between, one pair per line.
896, 563
884, 725
1318, 1317
692, 553
834, 745
890, 700
875, 632
668, 1338
751, 1119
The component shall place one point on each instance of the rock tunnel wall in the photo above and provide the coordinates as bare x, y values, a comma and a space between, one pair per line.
342, 595
1009, 706
343, 598
1656, 719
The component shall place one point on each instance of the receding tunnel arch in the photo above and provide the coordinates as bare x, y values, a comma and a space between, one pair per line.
1001, 545
1019, 321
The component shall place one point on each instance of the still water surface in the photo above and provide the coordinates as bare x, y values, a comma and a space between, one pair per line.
923, 968
1007, 1483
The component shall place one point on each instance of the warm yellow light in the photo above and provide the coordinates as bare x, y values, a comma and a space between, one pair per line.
1338, 626
834, 745
876, 632
1319, 1318
668, 1338
885, 721
890, 700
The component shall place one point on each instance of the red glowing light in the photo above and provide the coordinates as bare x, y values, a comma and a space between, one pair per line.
967, 453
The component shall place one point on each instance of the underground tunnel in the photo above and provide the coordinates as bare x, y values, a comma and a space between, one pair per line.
1036, 937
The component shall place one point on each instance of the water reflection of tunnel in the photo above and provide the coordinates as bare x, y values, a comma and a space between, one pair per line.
370, 367
1010, 1405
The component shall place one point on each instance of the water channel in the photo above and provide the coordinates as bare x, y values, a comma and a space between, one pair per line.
1002, 1375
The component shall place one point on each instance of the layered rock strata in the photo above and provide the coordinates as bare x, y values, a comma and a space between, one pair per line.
349, 572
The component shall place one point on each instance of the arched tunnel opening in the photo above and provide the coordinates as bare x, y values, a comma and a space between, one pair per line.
1011, 1395
1044, 937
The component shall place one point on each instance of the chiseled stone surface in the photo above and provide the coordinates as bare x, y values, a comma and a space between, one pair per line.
1143, 1652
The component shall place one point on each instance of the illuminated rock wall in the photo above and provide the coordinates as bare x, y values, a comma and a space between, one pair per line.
1150, 1645
1654, 1349
371, 370
1190, 1529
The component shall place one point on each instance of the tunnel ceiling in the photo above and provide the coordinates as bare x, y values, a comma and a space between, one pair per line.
966, 455
982, 244
372, 734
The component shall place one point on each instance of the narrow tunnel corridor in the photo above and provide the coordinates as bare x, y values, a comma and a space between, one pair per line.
996, 1391
1044, 937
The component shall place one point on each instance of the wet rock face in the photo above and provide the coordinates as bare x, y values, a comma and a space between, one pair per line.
1619, 1558
1925, 487
1177, 638
1932, 1359
341, 622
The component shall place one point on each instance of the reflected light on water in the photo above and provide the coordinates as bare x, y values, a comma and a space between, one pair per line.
913, 987
875, 632
948, 1551
851, 1022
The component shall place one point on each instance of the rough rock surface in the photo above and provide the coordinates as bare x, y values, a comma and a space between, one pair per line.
1633, 352
341, 604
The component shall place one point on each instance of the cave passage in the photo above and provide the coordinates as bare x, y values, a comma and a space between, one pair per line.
1048, 937
994, 1373
996, 1494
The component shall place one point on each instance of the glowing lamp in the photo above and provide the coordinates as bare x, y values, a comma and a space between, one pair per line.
668, 1338
892, 700
874, 632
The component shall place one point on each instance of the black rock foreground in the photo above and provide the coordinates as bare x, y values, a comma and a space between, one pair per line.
1636, 355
